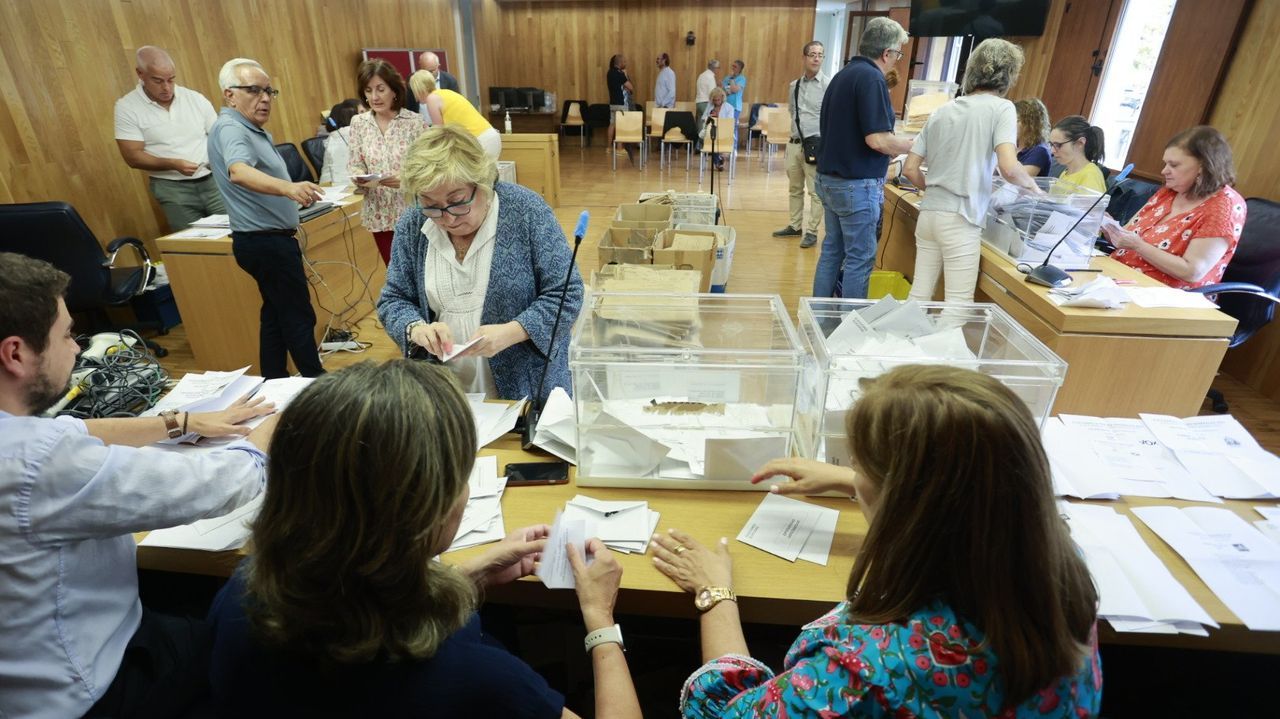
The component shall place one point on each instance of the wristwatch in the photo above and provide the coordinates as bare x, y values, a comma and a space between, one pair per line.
171, 425
608, 635
708, 597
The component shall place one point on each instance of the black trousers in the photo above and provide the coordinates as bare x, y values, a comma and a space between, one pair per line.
164, 672
274, 260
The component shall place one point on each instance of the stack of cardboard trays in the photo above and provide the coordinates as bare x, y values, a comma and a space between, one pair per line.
642, 235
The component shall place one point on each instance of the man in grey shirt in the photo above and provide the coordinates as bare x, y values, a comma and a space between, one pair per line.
262, 203
805, 96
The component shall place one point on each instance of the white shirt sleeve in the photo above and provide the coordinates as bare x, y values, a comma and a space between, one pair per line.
126, 122
83, 489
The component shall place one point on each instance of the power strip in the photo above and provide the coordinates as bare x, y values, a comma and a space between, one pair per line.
338, 346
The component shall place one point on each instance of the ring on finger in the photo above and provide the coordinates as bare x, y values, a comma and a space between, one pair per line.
680, 549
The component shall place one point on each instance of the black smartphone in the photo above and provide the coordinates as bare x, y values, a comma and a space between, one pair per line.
522, 474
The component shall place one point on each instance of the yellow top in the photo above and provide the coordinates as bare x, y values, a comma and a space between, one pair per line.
1089, 176
459, 111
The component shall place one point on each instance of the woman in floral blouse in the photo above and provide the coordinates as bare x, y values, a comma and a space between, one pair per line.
1188, 231
379, 140
967, 597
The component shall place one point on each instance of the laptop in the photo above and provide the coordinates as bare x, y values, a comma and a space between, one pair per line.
314, 211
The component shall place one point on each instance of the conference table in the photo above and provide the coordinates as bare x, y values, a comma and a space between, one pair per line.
770, 589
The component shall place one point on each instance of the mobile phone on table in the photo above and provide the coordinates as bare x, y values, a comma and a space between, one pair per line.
523, 474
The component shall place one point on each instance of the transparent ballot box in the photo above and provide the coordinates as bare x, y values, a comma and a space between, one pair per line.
1026, 226
683, 391
923, 98
849, 340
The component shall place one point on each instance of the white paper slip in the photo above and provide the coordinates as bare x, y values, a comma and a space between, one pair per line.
1133, 461
817, 548
1234, 470
781, 526
615, 448
614, 521
216, 534
640, 547
1270, 529
213, 221
483, 481
1233, 558
459, 348
736, 460
279, 392
557, 430
494, 419
1168, 297
496, 531
1271, 513
554, 568
1073, 466
200, 233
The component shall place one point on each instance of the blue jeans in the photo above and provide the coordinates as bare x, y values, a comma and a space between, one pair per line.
851, 209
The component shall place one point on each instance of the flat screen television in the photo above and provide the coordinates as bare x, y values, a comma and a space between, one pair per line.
980, 18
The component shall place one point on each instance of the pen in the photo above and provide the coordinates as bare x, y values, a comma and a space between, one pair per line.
610, 514
1084, 270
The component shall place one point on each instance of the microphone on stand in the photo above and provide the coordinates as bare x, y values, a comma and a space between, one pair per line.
535, 403
1050, 276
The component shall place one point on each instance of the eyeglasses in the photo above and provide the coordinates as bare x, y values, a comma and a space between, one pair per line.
257, 90
899, 53
815, 55
1058, 145
457, 209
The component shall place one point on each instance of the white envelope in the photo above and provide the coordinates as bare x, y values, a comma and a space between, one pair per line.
620, 449
614, 521
737, 460
557, 430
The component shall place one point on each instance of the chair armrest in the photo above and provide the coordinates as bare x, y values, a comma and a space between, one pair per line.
1235, 288
113, 249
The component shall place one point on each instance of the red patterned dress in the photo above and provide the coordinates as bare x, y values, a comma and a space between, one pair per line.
1221, 215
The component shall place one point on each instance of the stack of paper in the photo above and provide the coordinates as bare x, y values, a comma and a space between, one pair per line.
200, 233
622, 526
1168, 297
1102, 293
494, 419
1238, 563
218, 534
557, 431
205, 392
1137, 593
1197, 458
1270, 527
791, 529
482, 519
213, 221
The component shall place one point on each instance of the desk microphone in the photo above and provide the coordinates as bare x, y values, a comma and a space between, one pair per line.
1050, 276
535, 404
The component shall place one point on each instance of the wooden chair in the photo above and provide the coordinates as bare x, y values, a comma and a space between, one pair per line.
573, 117
777, 131
686, 107
755, 119
655, 131
726, 143
628, 128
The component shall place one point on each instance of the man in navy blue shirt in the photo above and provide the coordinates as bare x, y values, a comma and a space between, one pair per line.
857, 142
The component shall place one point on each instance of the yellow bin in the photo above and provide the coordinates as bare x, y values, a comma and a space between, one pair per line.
887, 282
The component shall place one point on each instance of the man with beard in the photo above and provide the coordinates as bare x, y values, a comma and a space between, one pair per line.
74, 637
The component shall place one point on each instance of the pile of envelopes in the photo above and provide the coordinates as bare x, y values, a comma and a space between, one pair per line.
482, 519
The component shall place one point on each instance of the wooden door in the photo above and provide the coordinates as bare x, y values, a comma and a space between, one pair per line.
1079, 53
898, 94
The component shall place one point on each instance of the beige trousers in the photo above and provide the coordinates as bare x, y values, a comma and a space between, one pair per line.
801, 176
947, 245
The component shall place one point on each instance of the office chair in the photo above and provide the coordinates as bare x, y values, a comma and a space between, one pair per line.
1250, 286
54, 232
298, 170
1128, 197
313, 147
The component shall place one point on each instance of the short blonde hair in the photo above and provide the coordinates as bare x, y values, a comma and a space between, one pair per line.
717, 91
445, 155
422, 83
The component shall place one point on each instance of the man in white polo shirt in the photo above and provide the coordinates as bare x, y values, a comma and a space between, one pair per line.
163, 128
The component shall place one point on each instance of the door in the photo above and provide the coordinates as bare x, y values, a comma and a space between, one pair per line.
1079, 51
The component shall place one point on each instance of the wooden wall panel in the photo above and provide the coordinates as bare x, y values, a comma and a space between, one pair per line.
565, 47
1038, 52
63, 64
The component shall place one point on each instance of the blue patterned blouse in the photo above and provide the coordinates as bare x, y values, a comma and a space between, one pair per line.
935, 664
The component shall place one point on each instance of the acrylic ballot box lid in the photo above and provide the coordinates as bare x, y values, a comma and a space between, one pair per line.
852, 339
683, 391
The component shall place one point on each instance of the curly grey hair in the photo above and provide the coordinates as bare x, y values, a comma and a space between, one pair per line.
993, 65
881, 34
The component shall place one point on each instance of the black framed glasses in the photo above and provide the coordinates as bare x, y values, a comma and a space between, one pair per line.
457, 209
1058, 145
257, 90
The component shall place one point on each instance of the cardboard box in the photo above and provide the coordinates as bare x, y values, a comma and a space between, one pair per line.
654, 217
629, 246
688, 250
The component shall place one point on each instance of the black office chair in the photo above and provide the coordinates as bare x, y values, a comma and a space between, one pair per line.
1250, 286
597, 116
298, 170
1128, 196
313, 147
55, 233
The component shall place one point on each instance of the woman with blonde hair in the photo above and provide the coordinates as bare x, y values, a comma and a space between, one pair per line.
963, 143
967, 596
477, 260
1033, 136
378, 141
343, 610
446, 106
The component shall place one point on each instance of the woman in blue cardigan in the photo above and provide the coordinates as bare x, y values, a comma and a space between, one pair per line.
477, 260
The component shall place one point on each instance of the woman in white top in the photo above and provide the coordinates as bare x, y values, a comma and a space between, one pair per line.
337, 147
963, 142
717, 108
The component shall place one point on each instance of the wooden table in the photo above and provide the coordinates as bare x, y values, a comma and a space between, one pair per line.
220, 303
1119, 362
537, 122
771, 590
537, 158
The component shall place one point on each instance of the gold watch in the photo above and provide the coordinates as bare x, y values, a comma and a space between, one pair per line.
708, 597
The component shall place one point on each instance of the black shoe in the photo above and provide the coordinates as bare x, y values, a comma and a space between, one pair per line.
809, 240
787, 231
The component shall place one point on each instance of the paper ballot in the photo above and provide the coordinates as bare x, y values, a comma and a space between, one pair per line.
554, 569
783, 526
217, 534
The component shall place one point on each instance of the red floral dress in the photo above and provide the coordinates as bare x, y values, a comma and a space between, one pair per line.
1222, 215
935, 664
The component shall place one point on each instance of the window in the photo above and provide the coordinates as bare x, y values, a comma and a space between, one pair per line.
1135, 47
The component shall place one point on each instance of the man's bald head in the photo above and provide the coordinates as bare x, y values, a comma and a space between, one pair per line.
157, 74
429, 61
150, 57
